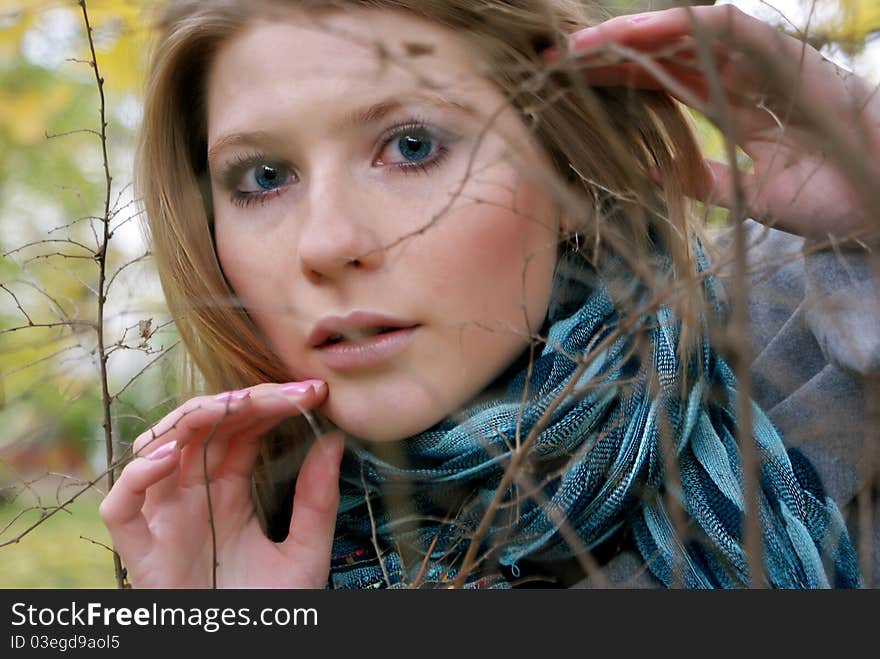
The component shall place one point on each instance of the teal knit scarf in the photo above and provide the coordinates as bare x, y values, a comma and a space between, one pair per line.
595, 468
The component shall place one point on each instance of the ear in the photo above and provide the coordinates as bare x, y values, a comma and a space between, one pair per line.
574, 221
567, 223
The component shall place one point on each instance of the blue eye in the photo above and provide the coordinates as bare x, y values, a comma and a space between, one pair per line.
256, 178
264, 176
414, 148
269, 177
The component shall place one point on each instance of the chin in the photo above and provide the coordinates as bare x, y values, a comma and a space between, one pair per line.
376, 422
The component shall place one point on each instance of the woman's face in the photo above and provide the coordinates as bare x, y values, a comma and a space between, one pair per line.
372, 135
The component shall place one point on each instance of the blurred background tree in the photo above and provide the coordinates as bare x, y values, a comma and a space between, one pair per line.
52, 194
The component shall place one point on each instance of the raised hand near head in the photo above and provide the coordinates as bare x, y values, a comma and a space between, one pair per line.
811, 129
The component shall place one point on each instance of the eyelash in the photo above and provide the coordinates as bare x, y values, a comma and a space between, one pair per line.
417, 126
232, 176
244, 162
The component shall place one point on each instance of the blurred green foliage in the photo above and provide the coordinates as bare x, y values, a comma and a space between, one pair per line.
63, 552
52, 196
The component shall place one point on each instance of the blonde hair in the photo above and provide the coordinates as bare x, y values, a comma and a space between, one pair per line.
607, 146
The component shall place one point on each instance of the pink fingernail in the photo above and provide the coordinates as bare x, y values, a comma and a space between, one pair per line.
297, 388
162, 451
638, 18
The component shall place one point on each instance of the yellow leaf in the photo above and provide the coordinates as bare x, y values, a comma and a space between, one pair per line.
845, 22
14, 22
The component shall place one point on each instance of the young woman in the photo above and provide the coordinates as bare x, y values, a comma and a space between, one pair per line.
435, 266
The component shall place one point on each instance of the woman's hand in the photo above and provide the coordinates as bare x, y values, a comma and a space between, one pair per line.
811, 128
157, 511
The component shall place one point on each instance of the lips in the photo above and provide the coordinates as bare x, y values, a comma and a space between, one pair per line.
355, 326
357, 335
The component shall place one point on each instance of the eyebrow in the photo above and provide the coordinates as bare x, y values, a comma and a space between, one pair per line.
379, 111
358, 117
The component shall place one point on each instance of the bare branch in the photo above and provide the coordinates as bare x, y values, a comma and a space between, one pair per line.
125, 265
18, 304
52, 136
102, 270
139, 373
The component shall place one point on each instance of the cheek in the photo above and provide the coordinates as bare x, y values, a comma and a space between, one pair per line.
247, 256
504, 258
252, 266
232, 255
228, 258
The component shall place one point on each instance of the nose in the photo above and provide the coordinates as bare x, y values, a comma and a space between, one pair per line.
337, 237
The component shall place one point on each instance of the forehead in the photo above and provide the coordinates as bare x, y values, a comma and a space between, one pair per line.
338, 56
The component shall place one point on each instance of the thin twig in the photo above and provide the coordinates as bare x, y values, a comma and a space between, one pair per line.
373, 528
740, 319
18, 304
101, 259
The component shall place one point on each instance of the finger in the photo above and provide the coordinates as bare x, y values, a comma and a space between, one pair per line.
719, 187
655, 29
232, 449
684, 82
742, 47
710, 186
204, 416
315, 505
122, 508
715, 186
743, 112
190, 424
191, 420
673, 70
643, 31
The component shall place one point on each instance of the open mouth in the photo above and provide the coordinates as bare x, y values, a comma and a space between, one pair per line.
365, 347
359, 335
